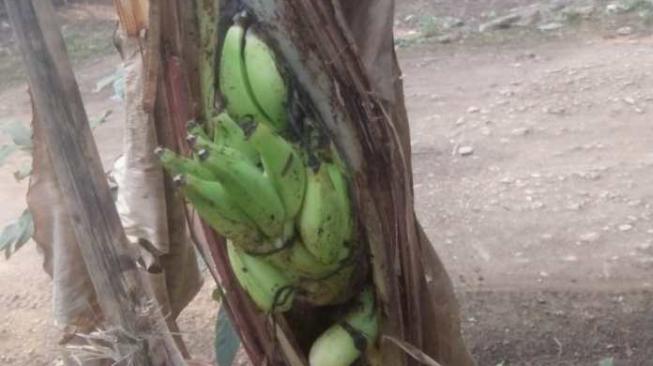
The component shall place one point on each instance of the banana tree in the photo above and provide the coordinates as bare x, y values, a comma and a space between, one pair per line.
338, 64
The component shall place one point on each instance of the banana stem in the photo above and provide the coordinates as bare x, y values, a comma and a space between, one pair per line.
207, 16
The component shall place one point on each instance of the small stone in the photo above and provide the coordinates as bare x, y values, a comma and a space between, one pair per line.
500, 23
590, 237
465, 150
644, 247
625, 227
570, 258
625, 31
460, 121
546, 236
522, 131
549, 26
538, 204
629, 100
473, 109
449, 37
574, 206
614, 8
544, 274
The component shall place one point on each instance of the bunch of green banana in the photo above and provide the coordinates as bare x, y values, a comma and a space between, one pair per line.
284, 208
347, 340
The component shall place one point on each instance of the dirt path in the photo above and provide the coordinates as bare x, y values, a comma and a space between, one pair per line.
544, 223
546, 226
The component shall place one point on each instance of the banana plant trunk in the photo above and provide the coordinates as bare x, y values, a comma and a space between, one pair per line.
341, 56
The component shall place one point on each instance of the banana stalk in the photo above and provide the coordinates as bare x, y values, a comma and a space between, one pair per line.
207, 16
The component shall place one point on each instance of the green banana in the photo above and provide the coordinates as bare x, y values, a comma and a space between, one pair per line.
233, 77
343, 343
176, 164
332, 290
283, 165
270, 289
301, 263
250, 80
249, 188
266, 83
213, 204
342, 187
226, 132
322, 221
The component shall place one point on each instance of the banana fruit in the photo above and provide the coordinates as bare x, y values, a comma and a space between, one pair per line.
282, 164
324, 221
176, 164
346, 341
250, 80
214, 206
270, 289
298, 261
249, 187
267, 86
227, 133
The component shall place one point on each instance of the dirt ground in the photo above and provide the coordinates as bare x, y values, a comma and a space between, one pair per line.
533, 166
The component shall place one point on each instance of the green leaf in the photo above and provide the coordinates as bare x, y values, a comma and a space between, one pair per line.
24, 172
6, 151
607, 362
227, 341
16, 234
19, 133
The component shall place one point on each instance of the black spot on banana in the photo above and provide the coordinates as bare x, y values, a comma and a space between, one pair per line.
343, 343
270, 289
250, 80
